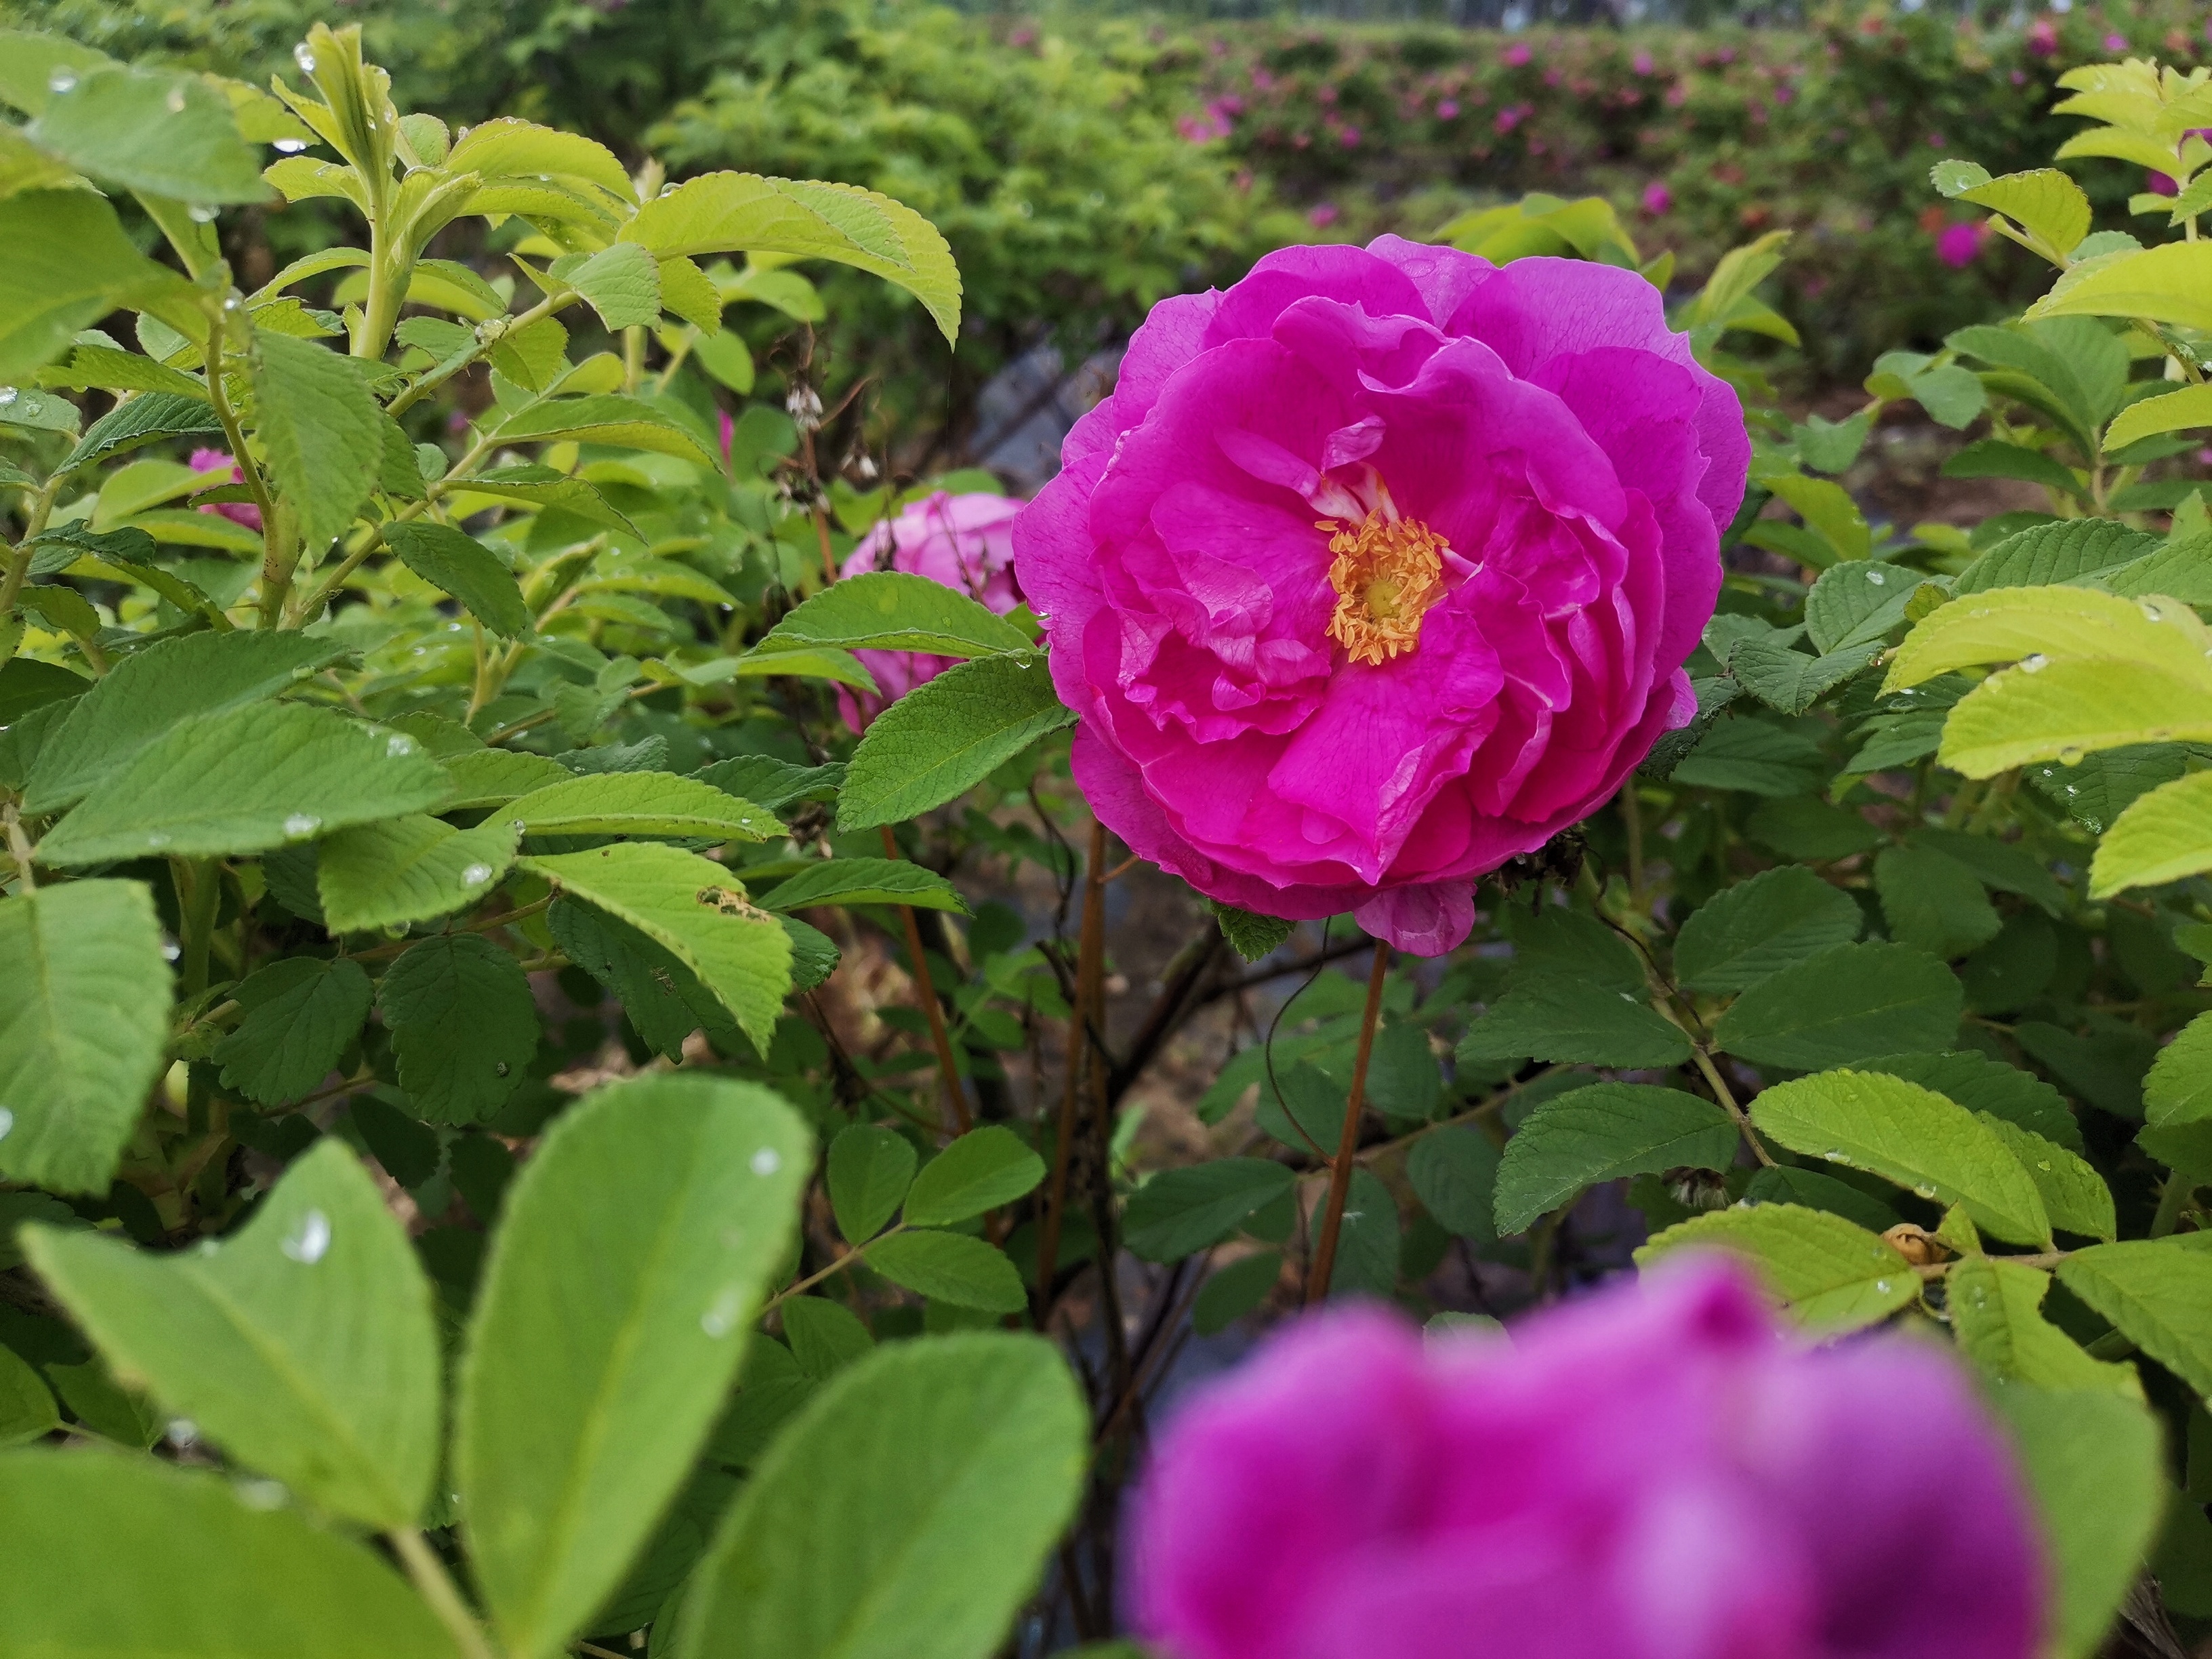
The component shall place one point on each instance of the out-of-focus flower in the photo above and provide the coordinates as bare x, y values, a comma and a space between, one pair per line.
1516, 55
2116, 42
1512, 116
965, 541
1657, 198
1652, 1474
1447, 109
1958, 245
2043, 38
2160, 184
223, 461
1322, 215
726, 429
1643, 64
1379, 569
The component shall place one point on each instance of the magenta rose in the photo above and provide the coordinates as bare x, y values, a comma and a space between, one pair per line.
1380, 568
223, 461
1654, 1473
965, 541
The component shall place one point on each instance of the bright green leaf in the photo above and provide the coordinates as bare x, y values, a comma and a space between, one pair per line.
2159, 1293
639, 804
464, 568
1994, 1307
464, 1025
1843, 1004
1834, 1275
324, 430
981, 1170
409, 869
950, 1267
893, 611
870, 1169
947, 735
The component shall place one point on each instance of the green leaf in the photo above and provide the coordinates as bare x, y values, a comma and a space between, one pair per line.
83, 1027
493, 777
1828, 509
540, 486
244, 781
825, 1336
1842, 1005
663, 998
300, 1016
905, 1513
1601, 1133
1809, 828
1551, 1016
950, 1267
1791, 681
1933, 902
621, 282
1912, 1136
155, 130
615, 1306
865, 881
2092, 1463
28, 1410
302, 1344
1993, 457
238, 1577
1252, 936
686, 903
981, 1170
1995, 1313
1179, 1211
869, 1169
1783, 1183
772, 783
2004, 865
2068, 550
2163, 836
947, 735
511, 149
1857, 602
2159, 1293
2177, 1089
1746, 932
727, 212
324, 430
144, 420
1229, 1295
2063, 709
409, 869
2180, 569
2044, 203
69, 264
1982, 1084
464, 568
604, 418
1755, 756
464, 1025
1834, 1275
639, 804
892, 610
1453, 1170
2073, 1194
149, 693
2170, 411
2169, 283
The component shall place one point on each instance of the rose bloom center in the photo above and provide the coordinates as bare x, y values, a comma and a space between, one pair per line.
1388, 573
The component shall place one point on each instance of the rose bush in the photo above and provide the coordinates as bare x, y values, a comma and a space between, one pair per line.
1652, 1474
1378, 569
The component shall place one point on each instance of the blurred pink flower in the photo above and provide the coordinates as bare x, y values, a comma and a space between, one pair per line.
1653, 1473
1447, 109
2043, 38
1512, 116
2116, 42
221, 460
1349, 138
1956, 245
1516, 55
1324, 214
727, 428
1642, 64
965, 541
1657, 198
2159, 183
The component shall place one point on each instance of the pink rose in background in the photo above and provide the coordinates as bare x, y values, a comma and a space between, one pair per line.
2162, 184
1956, 246
1380, 568
965, 541
1322, 215
1657, 198
2043, 38
1447, 109
1654, 1473
1516, 55
223, 461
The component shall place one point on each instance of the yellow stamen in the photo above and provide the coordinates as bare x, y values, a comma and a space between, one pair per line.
1388, 573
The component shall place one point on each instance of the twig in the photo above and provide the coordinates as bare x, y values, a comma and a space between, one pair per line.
1091, 953
1340, 1186
1167, 1012
948, 1068
1727, 1098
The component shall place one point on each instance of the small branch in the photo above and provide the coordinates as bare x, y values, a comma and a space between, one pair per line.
1091, 952
1340, 1185
858, 1253
948, 1068
1727, 1098
1167, 1012
438, 1588
1259, 976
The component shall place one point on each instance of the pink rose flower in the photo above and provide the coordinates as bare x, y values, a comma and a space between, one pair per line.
1642, 64
2043, 38
1322, 215
1380, 568
1653, 1473
1956, 245
1657, 198
1514, 55
223, 461
1447, 109
2116, 42
965, 541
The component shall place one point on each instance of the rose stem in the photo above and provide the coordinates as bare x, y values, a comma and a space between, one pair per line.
1090, 957
947, 1067
1340, 1178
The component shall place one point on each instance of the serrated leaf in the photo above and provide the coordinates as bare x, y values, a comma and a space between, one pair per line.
663, 998
239, 1578
636, 1245
408, 869
1983, 1084
945, 736
1755, 756
865, 881
1602, 1133
1746, 932
2169, 283
1252, 936
1453, 1170
464, 1025
1784, 1183
83, 1027
158, 131
2073, 1194
300, 1016
1842, 1005
2178, 569
2066, 551
1550, 1017
729, 212
2163, 836
244, 781
324, 431
1912, 1136
302, 1344
2159, 1293
604, 418
1791, 681
1996, 1315
2043, 202
69, 264
2170, 411
1834, 1276
2066, 707
773, 783
1933, 902
1993, 457
893, 611
639, 804
622, 282
869, 1169
540, 486
1857, 602
511, 149
981, 1170
950, 1267
493, 777
144, 420
1178, 1213
2177, 1089
685, 903
464, 566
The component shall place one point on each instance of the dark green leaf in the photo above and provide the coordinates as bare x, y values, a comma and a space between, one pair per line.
1453, 1170
301, 1015
947, 735
464, 1025
1179, 1211
1746, 932
865, 881
464, 568
1549, 1017
950, 1267
1847, 1002
870, 1170
324, 430
1599, 1133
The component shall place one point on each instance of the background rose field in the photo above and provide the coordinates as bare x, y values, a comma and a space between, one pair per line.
855, 829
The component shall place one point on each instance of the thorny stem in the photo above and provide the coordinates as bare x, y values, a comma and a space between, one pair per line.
1090, 957
438, 1588
1727, 1098
1347, 1145
948, 1068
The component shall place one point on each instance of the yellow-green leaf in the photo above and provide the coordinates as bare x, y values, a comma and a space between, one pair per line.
2165, 835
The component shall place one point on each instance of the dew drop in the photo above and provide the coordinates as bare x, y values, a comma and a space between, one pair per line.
399, 744
291, 146
175, 101
1882, 1285
1875, 578
2043, 1166
2071, 756
62, 80
181, 1432
475, 874
302, 823
8, 395
2156, 613
767, 1161
1925, 1192
498, 1068
1833, 1156
172, 951
722, 1317
200, 216
7, 1121
157, 839
304, 56
309, 1241
2034, 664
233, 303
261, 1494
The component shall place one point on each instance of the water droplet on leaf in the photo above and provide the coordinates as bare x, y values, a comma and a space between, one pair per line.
308, 1241
302, 823
1875, 578
7, 1121
175, 101
767, 1161
62, 80
291, 146
304, 56
475, 874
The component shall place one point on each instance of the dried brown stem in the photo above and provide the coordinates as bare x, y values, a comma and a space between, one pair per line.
1347, 1146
